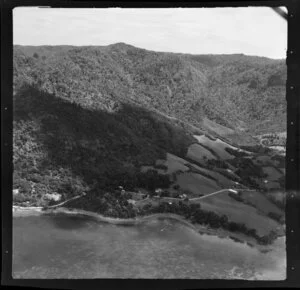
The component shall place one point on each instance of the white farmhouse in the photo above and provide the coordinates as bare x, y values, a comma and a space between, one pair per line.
233, 191
16, 191
53, 196
158, 190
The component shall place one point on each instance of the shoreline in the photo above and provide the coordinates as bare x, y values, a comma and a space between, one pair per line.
19, 211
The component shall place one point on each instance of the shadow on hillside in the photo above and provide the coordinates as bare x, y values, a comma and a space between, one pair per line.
98, 146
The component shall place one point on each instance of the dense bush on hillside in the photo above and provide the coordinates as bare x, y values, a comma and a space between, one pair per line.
63, 147
152, 180
213, 163
90, 117
247, 168
111, 204
233, 90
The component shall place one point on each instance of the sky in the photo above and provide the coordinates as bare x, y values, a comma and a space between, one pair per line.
248, 30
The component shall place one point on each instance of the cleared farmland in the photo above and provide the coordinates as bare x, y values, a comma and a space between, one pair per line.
197, 183
174, 163
261, 202
221, 179
218, 146
239, 212
197, 153
272, 173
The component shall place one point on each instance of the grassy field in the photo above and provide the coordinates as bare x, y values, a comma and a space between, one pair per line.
217, 128
221, 179
196, 183
277, 195
272, 185
218, 146
272, 173
174, 163
196, 152
239, 212
261, 202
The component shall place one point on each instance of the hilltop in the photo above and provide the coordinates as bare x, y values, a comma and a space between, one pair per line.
231, 95
89, 119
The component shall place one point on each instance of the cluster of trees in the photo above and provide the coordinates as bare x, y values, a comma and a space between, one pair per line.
161, 166
256, 149
267, 239
151, 180
281, 182
111, 204
280, 159
273, 140
236, 153
275, 216
219, 163
248, 171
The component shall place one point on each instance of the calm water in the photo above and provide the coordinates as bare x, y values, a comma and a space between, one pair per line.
62, 246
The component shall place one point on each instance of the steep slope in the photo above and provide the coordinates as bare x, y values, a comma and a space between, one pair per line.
88, 118
56, 141
243, 93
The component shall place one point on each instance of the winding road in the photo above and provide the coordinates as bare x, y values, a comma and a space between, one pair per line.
161, 198
64, 202
216, 192
202, 197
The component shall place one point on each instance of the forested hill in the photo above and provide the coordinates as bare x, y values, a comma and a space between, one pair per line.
89, 117
242, 93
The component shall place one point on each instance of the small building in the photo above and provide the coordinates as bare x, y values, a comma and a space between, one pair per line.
233, 191
53, 196
133, 202
16, 191
158, 191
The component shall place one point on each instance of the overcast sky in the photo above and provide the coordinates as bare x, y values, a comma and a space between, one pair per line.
252, 30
